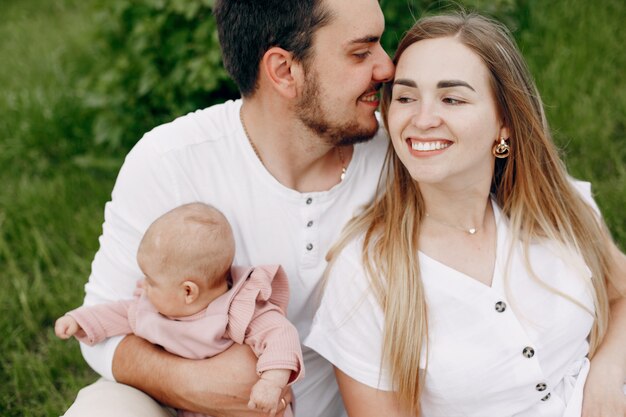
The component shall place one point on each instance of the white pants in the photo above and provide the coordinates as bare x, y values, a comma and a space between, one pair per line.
106, 398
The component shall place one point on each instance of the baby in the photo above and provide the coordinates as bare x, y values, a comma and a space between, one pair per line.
194, 304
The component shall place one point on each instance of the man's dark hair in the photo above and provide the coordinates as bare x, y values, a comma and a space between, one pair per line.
248, 28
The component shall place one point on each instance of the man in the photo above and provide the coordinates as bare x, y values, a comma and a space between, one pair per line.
288, 165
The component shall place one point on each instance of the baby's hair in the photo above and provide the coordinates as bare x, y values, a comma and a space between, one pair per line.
192, 241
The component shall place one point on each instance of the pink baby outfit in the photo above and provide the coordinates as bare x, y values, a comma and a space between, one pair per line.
251, 312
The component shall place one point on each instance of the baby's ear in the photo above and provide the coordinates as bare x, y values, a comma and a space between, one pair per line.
191, 291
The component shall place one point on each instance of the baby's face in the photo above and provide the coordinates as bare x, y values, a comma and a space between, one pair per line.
164, 294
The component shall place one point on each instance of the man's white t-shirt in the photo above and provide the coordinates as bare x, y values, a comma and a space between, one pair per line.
205, 156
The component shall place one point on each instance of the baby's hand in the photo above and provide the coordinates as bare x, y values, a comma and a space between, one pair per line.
139, 288
266, 393
66, 327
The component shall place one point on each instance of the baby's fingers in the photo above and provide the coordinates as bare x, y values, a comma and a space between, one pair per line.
251, 405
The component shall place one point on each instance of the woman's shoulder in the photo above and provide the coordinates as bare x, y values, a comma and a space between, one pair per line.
584, 191
349, 259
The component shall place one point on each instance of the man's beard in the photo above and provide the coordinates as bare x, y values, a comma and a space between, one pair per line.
310, 111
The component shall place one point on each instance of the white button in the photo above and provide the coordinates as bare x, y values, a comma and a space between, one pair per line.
309, 200
309, 247
310, 223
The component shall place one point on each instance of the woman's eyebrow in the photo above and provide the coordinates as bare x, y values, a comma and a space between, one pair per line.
454, 83
440, 84
405, 81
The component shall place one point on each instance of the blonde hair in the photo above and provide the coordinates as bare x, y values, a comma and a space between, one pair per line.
192, 241
531, 186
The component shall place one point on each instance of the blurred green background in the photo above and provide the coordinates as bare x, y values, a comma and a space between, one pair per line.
80, 81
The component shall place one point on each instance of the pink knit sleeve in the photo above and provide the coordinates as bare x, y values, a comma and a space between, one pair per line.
275, 341
101, 321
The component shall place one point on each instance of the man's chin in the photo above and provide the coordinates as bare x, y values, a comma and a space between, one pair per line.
358, 136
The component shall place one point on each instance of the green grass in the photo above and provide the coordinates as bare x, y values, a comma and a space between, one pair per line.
50, 203
54, 184
576, 51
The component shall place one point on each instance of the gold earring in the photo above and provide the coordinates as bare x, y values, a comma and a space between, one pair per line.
501, 149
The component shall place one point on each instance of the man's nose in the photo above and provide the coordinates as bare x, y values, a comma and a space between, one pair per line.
384, 68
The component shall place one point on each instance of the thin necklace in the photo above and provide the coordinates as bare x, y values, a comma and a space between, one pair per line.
245, 130
344, 169
343, 163
468, 230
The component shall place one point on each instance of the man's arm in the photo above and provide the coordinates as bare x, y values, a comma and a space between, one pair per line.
219, 386
603, 395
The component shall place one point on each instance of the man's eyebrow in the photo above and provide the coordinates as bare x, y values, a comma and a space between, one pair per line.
365, 39
454, 83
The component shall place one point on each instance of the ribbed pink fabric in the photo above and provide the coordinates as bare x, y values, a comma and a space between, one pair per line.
256, 317
101, 321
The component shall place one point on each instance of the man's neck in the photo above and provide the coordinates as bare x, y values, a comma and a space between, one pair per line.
297, 157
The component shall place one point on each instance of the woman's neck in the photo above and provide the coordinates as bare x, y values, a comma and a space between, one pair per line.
465, 207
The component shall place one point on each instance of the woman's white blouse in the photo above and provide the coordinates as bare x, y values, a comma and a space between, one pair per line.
515, 348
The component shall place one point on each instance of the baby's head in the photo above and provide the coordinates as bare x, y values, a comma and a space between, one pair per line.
186, 256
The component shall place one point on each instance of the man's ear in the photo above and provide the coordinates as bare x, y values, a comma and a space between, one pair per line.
191, 291
278, 67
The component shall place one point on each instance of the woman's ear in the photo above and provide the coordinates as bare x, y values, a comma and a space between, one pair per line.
505, 132
191, 291
277, 66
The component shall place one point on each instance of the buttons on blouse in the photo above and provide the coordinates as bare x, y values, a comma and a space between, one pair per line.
309, 247
310, 223
500, 306
528, 352
309, 201
541, 387
547, 397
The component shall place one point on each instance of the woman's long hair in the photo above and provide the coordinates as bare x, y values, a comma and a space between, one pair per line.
531, 186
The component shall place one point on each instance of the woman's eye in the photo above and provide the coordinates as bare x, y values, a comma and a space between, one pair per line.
403, 100
362, 55
452, 101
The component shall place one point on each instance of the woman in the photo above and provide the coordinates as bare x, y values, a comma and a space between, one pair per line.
480, 282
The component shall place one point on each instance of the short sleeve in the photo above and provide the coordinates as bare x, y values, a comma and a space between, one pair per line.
144, 190
584, 190
348, 327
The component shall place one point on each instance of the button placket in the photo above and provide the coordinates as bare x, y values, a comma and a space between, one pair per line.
310, 217
528, 352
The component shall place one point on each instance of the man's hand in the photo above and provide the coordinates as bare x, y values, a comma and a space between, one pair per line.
218, 386
66, 327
